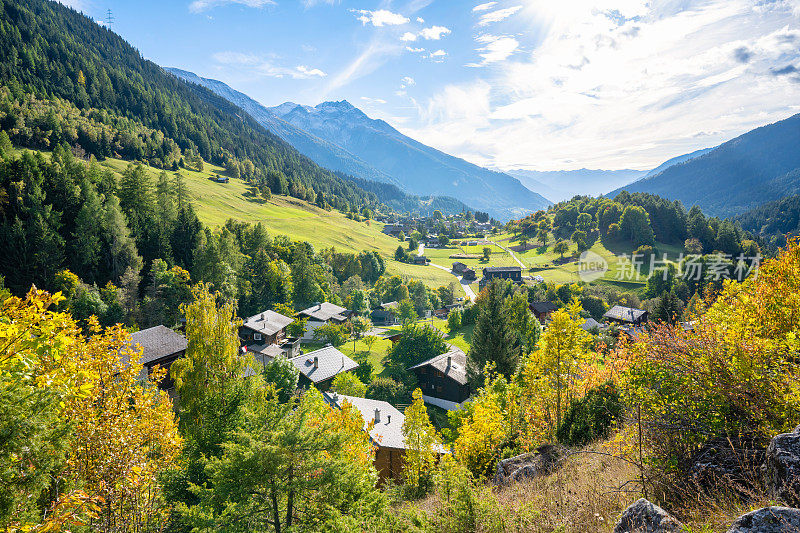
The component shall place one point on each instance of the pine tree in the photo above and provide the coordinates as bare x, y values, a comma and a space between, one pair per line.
493, 339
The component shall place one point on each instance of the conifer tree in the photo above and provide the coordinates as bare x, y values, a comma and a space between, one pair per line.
493, 339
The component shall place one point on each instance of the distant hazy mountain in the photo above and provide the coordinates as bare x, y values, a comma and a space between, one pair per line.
558, 185
341, 137
760, 166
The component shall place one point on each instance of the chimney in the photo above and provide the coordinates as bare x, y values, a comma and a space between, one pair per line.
449, 360
377, 415
262, 316
316, 362
388, 419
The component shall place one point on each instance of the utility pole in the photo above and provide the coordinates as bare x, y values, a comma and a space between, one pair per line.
109, 18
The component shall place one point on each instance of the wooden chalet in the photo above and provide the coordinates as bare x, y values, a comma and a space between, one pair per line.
542, 310
626, 316
321, 314
443, 379
318, 368
386, 434
513, 273
160, 346
385, 314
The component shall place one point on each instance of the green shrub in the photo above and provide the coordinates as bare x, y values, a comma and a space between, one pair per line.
591, 417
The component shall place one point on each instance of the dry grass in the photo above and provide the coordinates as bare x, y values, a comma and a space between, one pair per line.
587, 494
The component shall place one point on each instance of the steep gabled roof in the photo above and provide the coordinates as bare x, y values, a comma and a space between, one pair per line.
158, 342
456, 370
543, 307
268, 322
326, 311
330, 362
625, 314
387, 431
502, 269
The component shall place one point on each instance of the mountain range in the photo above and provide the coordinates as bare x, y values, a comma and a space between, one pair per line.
761, 166
341, 137
558, 185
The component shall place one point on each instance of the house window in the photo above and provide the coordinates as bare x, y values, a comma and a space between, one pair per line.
256, 336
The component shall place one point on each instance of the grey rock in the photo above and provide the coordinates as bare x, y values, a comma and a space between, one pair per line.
768, 520
729, 464
783, 467
646, 517
528, 465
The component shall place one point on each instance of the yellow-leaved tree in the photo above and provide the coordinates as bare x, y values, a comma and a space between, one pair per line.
124, 434
88, 439
552, 371
734, 377
423, 444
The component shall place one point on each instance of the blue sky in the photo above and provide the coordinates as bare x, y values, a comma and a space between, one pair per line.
538, 84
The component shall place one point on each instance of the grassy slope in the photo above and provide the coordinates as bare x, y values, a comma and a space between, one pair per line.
217, 202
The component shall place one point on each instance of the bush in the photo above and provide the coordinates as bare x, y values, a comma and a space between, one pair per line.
591, 417
388, 390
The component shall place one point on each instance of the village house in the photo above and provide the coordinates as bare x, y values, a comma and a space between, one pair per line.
385, 314
459, 267
318, 368
590, 324
420, 260
542, 310
160, 347
626, 316
386, 434
443, 379
322, 314
264, 336
513, 273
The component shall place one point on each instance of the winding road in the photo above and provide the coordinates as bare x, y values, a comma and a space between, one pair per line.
464, 285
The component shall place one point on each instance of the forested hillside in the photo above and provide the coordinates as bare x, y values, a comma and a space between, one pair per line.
53, 51
758, 167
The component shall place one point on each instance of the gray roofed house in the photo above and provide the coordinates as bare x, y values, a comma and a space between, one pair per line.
321, 366
443, 379
591, 324
626, 315
326, 311
513, 273
386, 434
160, 346
321, 314
268, 323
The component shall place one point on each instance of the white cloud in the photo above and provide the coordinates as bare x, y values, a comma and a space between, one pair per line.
421, 20
407, 81
372, 101
630, 88
495, 49
437, 56
498, 15
434, 33
199, 6
312, 3
265, 67
483, 7
414, 50
380, 17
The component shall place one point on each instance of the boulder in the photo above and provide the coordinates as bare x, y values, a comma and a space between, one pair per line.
733, 463
768, 520
783, 467
646, 517
528, 465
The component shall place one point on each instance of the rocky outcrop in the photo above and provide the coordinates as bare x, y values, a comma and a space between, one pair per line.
528, 465
729, 464
768, 520
646, 517
783, 467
